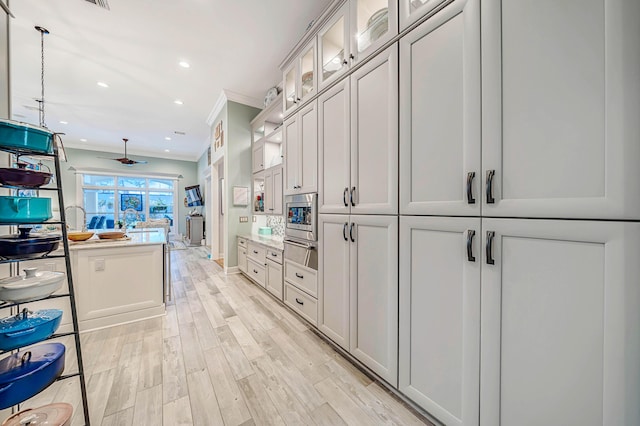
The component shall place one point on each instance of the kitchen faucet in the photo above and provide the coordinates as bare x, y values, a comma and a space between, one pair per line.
84, 215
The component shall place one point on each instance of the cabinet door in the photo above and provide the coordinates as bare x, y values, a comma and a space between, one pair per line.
565, 144
333, 277
374, 294
291, 151
274, 279
290, 98
307, 74
440, 316
242, 259
334, 156
277, 192
333, 47
268, 192
259, 193
373, 23
308, 143
560, 327
258, 157
440, 114
374, 135
411, 11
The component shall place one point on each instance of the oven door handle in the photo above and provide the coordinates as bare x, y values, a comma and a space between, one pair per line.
295, 243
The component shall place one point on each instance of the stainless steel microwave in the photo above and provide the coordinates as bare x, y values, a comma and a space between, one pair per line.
301, 217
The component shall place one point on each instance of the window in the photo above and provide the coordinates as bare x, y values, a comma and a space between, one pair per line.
131, 199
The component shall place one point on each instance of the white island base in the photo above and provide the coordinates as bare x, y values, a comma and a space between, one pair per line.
120, 281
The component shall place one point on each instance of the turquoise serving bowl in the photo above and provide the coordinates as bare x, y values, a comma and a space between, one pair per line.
24, 209
25, 136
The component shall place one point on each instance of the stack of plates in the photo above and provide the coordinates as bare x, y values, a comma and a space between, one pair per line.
377, 25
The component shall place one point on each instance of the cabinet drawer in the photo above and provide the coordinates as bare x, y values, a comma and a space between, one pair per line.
274, 255
302, 277
257, 252
242, 242
302, 303
256, 272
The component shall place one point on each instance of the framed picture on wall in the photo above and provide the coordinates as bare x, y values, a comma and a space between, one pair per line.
240, 196
218, 136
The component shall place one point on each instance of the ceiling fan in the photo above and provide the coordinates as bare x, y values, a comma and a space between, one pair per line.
126, 160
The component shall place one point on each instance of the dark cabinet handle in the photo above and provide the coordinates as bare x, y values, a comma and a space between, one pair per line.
255, 252
344, 231
274, 254
490, 260
490, 175
353, 191
344, 197
352, 57
299, 276
470, 234
345, 62
255, 272
470, 177
299, 302
351, 233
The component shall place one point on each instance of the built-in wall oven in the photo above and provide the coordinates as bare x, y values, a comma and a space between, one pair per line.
301, 229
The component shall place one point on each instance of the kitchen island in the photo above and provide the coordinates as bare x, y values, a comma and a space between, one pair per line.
120, 281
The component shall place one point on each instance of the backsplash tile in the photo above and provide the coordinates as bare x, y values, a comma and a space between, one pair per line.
276, 223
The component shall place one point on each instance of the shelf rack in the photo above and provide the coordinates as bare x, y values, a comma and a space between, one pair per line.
71, 294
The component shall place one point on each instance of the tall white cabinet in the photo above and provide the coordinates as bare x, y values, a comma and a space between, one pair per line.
358, 288
560, 323
559, 112
358, 140
440, 315
301, 151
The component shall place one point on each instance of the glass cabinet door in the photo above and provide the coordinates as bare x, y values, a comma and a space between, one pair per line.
290, 93
307, 82
412, 10
373, 23
258, 194
333, 47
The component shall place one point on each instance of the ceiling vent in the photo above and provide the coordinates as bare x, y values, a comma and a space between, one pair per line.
102, 3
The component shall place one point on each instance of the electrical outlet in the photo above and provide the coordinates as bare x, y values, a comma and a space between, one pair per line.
99, 265
244, 219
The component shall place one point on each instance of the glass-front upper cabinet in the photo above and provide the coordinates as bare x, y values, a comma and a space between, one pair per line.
290, 93
300, 78
412, 10
373, 23
333, 47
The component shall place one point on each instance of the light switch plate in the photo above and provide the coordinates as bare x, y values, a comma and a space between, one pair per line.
255, 218
244, 219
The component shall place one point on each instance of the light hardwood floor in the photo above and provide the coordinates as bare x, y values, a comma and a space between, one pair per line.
226, 353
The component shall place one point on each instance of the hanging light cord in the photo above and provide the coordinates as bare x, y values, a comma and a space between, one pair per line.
43, 31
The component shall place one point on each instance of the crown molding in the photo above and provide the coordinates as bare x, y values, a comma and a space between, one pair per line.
228, 95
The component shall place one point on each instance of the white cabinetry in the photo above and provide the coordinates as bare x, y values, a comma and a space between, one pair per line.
358, 143
562, 140
301, 151
300, 82
440, 114
371, 307
356, 30
560, 314
439, 354
268, 186
411, 11
274, 277
242, 258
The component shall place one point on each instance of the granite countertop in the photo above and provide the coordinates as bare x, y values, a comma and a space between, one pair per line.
145, 236
271, 241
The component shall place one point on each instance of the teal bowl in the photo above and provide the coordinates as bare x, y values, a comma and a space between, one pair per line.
24, 209
25, 136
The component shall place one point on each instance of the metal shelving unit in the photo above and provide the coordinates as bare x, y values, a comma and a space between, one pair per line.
71, 294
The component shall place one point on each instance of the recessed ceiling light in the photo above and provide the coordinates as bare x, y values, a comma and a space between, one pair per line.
167, 138
64, 122
178, 102
166, 150
102, 84
83, 140
184, 64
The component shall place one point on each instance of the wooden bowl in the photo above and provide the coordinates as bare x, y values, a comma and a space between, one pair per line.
79, 236
114, 235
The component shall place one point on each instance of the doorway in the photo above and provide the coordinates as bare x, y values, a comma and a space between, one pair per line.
217, 211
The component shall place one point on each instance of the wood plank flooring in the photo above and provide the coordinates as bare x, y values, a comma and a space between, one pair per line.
226, 353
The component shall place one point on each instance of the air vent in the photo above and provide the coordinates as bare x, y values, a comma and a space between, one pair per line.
179, 133
102, 3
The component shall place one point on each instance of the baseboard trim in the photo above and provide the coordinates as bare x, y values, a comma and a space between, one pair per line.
233, 270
